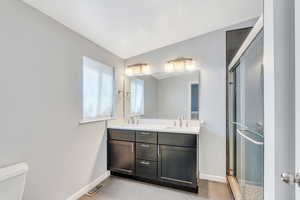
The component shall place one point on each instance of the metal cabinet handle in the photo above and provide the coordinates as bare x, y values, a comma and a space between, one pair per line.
145, 145
177, 180
132, 148
123, 170
145, 162
158, 150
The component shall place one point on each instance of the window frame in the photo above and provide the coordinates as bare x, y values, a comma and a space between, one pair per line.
97, 119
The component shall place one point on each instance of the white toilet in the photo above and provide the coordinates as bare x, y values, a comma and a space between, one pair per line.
12, 181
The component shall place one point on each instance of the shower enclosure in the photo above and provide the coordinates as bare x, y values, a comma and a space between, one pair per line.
245, 168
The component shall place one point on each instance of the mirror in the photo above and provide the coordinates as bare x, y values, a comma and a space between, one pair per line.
163, 95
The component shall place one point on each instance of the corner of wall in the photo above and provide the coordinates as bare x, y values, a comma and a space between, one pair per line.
89, 186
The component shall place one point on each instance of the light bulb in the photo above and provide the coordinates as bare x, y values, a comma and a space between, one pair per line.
169, 67
128, 71
146, 69
190, 65
179, 66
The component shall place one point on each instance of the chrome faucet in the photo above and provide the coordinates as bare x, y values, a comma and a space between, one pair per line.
175, 123
187, 123
131, 120
180, 119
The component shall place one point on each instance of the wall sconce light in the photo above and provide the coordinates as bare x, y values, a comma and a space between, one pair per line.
180, 65
138, 69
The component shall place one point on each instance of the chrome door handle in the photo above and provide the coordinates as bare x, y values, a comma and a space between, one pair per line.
290, 178
248, 138
287, 178
245, 128
297, 179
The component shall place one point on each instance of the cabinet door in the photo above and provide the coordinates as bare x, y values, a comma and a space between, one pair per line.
122, 156
177, 164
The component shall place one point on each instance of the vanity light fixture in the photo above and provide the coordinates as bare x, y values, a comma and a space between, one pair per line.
180, 65
138, 69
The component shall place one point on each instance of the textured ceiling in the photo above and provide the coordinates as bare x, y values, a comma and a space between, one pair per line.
132, 27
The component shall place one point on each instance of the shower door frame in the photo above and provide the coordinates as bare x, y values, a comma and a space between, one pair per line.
231, 106
241, 33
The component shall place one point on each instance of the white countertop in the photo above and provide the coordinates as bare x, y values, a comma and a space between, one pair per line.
157, 128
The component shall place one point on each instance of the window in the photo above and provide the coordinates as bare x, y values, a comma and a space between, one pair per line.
98, 90
137, 97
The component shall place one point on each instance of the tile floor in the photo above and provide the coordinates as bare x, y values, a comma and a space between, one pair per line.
116, 188
252, 192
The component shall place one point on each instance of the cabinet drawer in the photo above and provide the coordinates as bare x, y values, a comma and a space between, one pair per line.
125, 135
146, 151
177, 139
146, 169
146, 137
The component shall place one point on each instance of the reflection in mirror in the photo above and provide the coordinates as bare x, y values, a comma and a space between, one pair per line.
163, 95
137, 100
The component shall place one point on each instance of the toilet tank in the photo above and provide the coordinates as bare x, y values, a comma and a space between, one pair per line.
12, 181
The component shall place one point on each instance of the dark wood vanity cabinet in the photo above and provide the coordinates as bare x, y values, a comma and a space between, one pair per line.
168, 159
121, 151
121, 135
146, 151
177, 158
146, 169
122, 156
177, 164
146, 137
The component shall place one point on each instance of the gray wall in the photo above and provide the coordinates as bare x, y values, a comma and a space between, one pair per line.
40, 84
209, 50
150, 96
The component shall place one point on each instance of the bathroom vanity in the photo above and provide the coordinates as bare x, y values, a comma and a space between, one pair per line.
159, 142
166, 156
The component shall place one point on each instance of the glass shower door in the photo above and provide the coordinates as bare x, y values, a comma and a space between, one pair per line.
247, 122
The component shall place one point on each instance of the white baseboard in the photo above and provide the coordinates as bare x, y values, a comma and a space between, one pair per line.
89, 186
213, 178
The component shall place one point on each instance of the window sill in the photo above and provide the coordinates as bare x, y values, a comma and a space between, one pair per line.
89, 121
